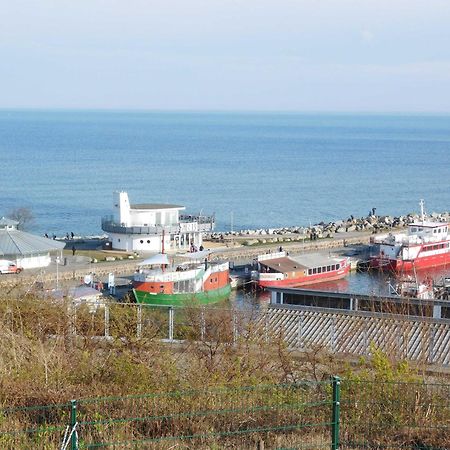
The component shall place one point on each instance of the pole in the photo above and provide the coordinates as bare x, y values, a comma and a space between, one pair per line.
231, 227
73, 424
336, 406
57, 273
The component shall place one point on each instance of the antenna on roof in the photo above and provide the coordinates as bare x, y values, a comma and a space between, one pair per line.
421, 203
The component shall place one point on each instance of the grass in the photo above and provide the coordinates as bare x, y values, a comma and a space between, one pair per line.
43, 362
99, 255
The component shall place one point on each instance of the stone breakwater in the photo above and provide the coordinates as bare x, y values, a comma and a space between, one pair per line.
371, 223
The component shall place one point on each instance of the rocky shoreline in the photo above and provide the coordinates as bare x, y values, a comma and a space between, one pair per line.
371, 223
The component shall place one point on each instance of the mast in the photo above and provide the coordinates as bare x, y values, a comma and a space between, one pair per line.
162, 248
421, 203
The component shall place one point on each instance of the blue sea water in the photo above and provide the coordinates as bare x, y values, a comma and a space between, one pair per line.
252, 169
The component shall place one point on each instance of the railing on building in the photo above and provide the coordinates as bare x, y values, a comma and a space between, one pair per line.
205, 223
387, 304
109, 225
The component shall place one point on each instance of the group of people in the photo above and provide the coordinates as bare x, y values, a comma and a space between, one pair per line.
67, 238
193, 248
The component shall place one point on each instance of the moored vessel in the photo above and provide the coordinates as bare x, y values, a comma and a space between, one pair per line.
160, 283
409, 287
282, 270
426, 244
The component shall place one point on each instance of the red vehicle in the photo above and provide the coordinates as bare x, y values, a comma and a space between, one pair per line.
9, 267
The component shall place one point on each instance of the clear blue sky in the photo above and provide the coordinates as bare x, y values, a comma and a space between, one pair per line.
300, 55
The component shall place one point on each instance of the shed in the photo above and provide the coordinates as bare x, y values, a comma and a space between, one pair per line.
25, 249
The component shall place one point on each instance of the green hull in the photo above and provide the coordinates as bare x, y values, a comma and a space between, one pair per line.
203, 298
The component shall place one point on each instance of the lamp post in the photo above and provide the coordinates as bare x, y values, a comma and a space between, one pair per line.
57, 272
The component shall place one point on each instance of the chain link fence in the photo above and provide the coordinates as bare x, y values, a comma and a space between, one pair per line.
332, 414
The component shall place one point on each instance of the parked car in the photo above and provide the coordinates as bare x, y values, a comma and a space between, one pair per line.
9, 267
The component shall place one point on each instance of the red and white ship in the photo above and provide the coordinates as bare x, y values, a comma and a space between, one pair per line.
427, 244
278, 269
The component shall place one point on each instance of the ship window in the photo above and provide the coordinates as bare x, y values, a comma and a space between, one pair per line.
328, 268
333, 267
118, 240
314, 270
141, 241
148, 241
309, 271
439, 230
338, 266
413, 230
319, 270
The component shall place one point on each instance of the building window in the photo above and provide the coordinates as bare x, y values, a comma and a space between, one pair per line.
118, 240
148, 241
141, 241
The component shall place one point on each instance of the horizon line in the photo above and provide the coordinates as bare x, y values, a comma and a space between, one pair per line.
221, 111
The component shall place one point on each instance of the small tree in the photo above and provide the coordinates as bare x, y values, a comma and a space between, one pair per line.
22, 215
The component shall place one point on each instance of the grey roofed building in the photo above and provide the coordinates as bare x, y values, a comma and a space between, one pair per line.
15, 242
155, 206
28, 250
8, 224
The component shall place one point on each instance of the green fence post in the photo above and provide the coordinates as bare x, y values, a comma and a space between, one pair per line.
336, 407
73, 422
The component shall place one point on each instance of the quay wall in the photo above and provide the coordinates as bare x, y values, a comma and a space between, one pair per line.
240, 253
246, 253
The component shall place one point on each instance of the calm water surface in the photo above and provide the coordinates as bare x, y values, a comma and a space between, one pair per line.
265, 170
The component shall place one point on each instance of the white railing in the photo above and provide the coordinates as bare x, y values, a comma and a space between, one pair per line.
268, 256
271, 276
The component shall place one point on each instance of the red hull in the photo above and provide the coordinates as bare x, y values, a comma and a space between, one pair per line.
305, 280
398, 265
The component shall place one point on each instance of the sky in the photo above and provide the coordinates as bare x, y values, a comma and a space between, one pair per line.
257, 55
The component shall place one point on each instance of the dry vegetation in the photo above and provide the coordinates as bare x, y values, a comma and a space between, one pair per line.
47, 357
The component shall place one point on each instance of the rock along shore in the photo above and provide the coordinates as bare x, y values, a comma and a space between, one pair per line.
371, 223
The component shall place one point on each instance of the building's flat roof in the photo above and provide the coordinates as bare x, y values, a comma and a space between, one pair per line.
155, 206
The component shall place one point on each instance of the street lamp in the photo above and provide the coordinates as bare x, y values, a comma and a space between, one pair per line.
57, 272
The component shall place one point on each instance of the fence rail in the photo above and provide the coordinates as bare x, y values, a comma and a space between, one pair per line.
336, 414
423, 340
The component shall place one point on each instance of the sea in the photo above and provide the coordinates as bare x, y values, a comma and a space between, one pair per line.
252, 170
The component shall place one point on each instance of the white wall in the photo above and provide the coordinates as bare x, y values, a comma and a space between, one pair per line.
131, 243
32, 262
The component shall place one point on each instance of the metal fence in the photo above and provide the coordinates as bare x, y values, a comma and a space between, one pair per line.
423, 340
333, 414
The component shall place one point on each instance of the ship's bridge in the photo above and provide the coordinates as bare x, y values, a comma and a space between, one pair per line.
429, 231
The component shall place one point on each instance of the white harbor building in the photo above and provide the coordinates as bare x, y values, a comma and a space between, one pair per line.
153, 227
26, 250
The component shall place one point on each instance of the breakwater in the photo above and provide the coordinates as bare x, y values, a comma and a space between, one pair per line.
371, 223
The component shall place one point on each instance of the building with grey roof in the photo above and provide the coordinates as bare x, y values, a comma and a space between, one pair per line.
25, 249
